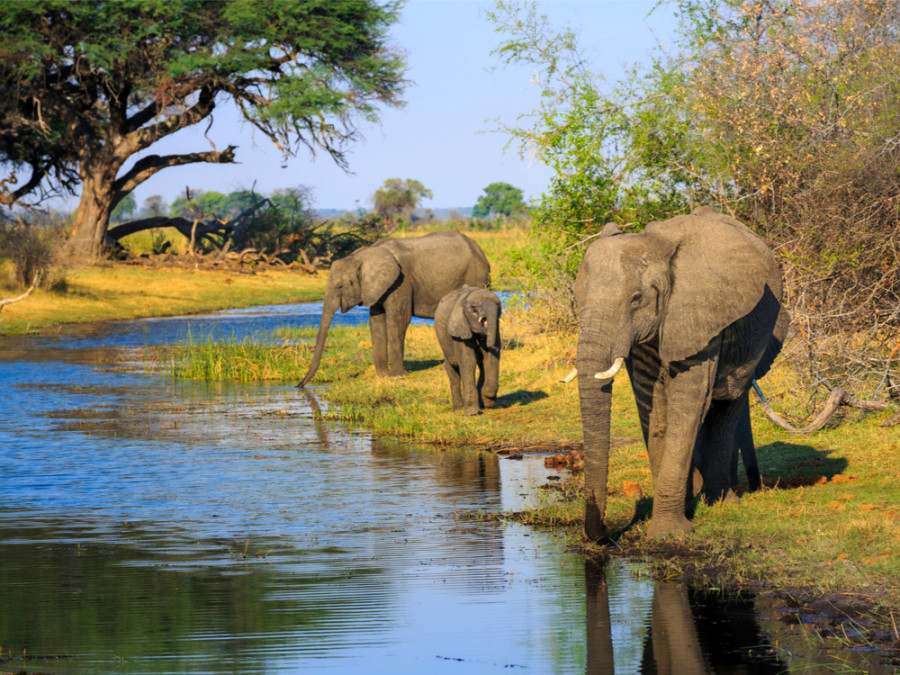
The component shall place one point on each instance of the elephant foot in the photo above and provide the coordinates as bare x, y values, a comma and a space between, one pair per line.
754, 480
660, 528
726, 495
594, 527
399, 373
490, 402
472, 411
696, 482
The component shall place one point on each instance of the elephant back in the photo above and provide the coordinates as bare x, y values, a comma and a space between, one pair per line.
438, 263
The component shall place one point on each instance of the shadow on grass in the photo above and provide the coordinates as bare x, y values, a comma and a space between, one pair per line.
520, 397
790, 465
783, 466
416, 366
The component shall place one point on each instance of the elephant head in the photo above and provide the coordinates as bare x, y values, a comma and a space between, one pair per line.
476, 313
674, 287
362, 278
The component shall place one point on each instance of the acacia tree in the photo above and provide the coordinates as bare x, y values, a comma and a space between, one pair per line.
87, 85
399, 197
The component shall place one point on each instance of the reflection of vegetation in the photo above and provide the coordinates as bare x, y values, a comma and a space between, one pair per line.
168, 610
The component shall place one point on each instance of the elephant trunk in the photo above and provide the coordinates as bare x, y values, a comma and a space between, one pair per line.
598, 351
329, 307
596, 404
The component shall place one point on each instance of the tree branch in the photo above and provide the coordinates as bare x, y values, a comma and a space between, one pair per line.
147, 136
147, 166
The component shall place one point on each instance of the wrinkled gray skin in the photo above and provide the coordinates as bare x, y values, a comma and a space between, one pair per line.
693, 306
398, 279
467, 323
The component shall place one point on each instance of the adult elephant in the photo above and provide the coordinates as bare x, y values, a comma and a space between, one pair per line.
398, 279
692, 307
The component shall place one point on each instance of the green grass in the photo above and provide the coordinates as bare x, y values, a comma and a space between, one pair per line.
232, 361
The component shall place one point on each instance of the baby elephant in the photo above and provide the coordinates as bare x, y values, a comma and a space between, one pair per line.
467, 323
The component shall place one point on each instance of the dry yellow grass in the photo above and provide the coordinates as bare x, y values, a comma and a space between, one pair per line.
107, 292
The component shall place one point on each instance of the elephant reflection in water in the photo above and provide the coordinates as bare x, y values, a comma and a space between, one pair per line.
678, 641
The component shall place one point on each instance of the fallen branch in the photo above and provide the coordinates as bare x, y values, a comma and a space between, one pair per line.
34, 282
837, 398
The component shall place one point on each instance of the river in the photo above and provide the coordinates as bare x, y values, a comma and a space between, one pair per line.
154, 526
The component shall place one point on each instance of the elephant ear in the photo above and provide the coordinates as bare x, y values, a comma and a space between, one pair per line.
717, 277
457, 324
378, 272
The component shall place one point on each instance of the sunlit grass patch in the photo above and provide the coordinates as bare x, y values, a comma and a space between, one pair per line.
109, 292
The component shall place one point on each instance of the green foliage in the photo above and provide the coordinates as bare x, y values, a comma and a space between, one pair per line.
31, 248
588, 135
782, 114
88, 84
500, 199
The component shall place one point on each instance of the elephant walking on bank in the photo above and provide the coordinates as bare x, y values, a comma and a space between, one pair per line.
467, 323
692, 307
398, 279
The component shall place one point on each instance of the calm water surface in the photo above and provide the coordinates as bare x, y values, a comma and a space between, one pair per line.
149, 526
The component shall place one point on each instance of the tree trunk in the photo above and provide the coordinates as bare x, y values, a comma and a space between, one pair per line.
92, 220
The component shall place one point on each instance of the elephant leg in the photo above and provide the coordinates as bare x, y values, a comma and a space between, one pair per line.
453, 375
720, 452
378, 330
491, 371
598, 626
745, 444
397, 323
467, 375
675, 642
687, 394
656, 426
644, 371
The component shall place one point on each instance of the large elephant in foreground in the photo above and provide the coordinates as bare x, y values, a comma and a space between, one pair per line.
398, 279
692, 306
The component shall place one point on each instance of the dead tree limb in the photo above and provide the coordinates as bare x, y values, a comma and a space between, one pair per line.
836, 399
34, 282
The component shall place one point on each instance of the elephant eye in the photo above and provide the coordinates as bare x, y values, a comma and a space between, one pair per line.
636, 298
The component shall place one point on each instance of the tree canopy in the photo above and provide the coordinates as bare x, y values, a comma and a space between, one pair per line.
88, 85
500, 199
399, 197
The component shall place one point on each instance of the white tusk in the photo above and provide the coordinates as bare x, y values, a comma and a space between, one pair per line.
571, 376
611, 373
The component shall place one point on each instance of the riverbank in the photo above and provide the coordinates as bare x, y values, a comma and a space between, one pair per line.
120, 292
821, 538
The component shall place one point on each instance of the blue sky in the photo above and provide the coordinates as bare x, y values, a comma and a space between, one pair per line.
442, 136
